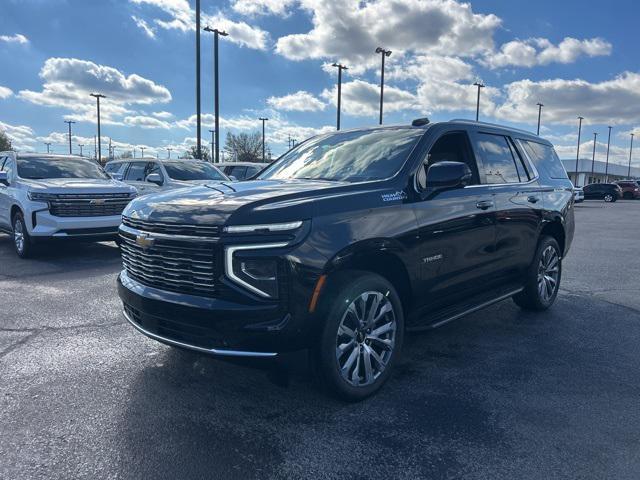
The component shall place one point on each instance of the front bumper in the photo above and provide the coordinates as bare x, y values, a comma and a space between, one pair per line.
209, 325
43, 224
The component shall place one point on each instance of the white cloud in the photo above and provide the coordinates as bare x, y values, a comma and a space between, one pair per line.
17, 38
163, 115
5, 92
299, 101
145, 122
21, 136
540, 51
612, 102
263, 7
67, 83
349, 31
362, 98
182, 17
146, 28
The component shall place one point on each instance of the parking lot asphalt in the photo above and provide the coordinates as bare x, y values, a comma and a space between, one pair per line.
500, 394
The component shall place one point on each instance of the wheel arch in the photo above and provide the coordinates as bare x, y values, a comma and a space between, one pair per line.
555, 228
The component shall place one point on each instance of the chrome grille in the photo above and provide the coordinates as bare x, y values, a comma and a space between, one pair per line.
172, 228
89, 205
171, 263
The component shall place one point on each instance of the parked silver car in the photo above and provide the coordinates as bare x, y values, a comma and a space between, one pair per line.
58, 196
150, 175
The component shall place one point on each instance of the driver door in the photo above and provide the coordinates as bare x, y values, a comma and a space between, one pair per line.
456, 228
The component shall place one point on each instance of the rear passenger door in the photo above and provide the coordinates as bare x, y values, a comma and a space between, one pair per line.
517, 198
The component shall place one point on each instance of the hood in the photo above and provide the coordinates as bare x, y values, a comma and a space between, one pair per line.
258, 201
77, 185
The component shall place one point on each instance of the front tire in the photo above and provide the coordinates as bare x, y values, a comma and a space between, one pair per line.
21, 239
609, 198
362, 336
543, 277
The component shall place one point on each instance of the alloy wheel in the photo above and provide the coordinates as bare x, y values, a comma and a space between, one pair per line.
366, 338
548, 273
18, 235
608, 198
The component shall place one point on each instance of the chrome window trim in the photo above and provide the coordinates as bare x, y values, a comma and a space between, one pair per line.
214, 351
228, 263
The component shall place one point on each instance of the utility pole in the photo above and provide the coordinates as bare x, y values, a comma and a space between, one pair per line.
81, 145
216, 91
110, 149
98, 96
578, 150
48, 144
198, 108
606, 169
263, 120
384, 53
593, 158
630, 153
142, 150
289, 140
340, 67
95, 148
69, 122
480, 85
213, 141
540, 105
169, 152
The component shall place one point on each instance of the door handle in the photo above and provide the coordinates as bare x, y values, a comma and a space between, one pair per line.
532, 199
484, 204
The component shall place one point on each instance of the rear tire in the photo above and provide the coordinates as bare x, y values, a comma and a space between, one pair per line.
628, 196
20, 236
362, 336
542, 278
609, 198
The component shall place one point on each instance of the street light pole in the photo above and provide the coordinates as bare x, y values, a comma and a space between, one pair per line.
216, 91
630, 153
169, 152
198, 108
593, 158
81, 145
98, 96
213, 141
142, 150
578, 150
69, 122
340, 67
479, 85
263, 120
384, 53
540, 105
48, 144
606, 168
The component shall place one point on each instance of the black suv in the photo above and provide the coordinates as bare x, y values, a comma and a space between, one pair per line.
609, 192
347, 242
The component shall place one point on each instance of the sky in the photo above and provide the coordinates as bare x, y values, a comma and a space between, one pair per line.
276, 63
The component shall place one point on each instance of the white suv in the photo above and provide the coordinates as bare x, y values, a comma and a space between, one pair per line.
149, 175
58, 196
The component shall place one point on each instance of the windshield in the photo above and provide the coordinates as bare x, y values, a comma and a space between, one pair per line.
37, 168
350, 156
193, 170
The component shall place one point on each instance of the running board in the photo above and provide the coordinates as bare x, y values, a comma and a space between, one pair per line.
454, 313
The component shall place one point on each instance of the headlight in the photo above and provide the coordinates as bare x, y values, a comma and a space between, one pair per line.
257, 274
40, 197
271, 227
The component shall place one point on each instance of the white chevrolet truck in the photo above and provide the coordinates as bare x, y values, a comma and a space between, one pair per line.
46, 197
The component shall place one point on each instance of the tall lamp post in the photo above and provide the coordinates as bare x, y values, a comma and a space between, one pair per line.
216, 91
263, 120
142, 150
540, 105
98, 96
384, 53
630, 153
81, 145
69, 122
578, 150
198, 106
340, 68
480, 85
213, 141
593, 158
48, 144
169, 152
606, 167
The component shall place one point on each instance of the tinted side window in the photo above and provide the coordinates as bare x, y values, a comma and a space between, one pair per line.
498, 161
8, 167
112, 167
152, 167
136, 172
239, 172
545, 158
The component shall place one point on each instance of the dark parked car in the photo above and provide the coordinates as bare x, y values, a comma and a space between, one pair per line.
241, 170
630, 189
609, 192
347, 242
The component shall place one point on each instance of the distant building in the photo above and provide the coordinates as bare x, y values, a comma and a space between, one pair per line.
588, 173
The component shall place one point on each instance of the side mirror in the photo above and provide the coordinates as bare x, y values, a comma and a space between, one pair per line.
154, 178
116, 176
233, 179
447, 175
4, 178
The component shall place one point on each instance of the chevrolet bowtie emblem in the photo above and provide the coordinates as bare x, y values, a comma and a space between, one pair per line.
144, 240
98, 201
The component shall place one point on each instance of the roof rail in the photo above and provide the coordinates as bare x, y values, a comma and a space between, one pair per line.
487, 124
